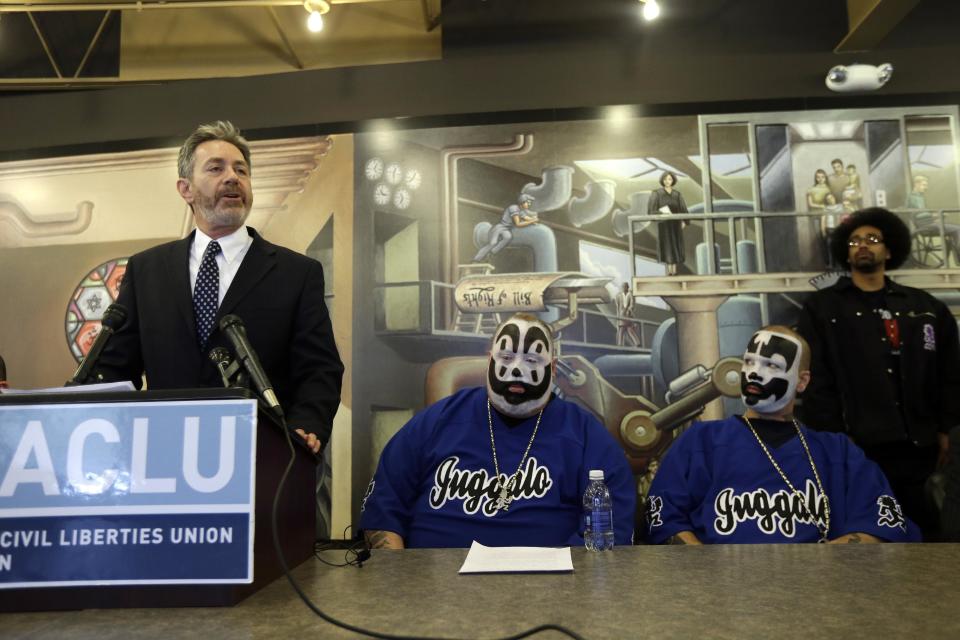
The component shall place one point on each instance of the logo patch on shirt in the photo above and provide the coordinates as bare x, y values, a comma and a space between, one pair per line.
654, 506
889, 513
929, 338
778, 511
477, 489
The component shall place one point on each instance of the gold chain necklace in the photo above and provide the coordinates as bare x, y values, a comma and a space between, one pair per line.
503, 488
826, 501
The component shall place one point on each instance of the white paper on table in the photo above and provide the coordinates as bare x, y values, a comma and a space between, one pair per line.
99, 387
481, 559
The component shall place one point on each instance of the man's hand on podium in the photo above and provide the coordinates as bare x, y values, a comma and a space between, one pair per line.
311, 439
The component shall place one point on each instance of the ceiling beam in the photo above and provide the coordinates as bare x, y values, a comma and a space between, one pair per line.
46, 47
286, 41
93, 43
870, 21
430, 18
143, 5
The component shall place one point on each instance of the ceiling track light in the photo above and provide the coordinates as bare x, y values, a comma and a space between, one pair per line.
317, 9
651, 9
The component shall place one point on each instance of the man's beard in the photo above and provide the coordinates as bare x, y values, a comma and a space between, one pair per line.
228, 217
868, 265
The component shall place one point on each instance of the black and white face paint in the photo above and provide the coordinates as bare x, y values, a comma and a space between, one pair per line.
771, 370
519, 376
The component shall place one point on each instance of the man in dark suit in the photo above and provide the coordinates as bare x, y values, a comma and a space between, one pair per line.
175, 294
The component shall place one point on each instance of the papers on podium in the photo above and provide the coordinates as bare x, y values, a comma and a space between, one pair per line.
100, 387
481, 559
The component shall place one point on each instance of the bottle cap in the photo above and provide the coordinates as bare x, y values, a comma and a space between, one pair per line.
596, 474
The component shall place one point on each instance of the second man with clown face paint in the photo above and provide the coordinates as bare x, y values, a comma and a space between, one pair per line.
763, 477
506, 465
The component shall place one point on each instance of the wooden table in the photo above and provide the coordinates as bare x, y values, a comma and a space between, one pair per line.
762, 591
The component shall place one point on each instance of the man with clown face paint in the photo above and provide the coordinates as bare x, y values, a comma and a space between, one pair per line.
771, 373
504, 465
763, 477
520, 374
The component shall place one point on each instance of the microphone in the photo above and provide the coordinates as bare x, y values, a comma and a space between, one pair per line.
113, 319
233, 327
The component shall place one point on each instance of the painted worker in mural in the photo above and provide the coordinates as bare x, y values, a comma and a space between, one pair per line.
666, 200
885, 360
175, 293
626, 326
504, 465
763, 477
514, 216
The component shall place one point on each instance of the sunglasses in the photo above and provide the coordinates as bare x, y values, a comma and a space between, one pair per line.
870, 238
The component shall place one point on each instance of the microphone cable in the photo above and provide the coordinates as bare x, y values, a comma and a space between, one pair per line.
345, 625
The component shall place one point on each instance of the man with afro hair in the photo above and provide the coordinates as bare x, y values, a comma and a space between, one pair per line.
886, 360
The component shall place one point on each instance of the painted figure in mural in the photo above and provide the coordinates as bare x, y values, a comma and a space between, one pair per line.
3, 373
838, 180
646, 480
885, 360
917, 198
852, 196
819, 198
175, 293
625, 326
927, 222
505, 465
763, 477
501, 234
666, 200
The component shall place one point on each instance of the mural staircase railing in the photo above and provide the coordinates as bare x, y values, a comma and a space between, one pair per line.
935, 239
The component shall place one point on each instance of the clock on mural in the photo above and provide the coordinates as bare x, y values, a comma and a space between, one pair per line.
413, 179
401, 199
381, 195
394, 173
373, 169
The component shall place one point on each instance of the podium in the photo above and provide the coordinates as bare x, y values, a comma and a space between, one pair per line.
295, 516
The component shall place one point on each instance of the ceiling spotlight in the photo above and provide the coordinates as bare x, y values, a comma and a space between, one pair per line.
316, 9
651, 9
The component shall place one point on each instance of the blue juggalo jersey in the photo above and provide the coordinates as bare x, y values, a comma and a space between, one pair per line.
716, 482
435, 484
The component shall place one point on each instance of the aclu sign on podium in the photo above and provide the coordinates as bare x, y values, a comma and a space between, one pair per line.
127, 493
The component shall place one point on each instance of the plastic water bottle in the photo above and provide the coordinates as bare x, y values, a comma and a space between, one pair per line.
597, 514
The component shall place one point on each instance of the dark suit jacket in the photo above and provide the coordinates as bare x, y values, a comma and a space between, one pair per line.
276, 292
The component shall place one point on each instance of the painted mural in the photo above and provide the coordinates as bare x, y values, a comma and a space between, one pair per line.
654, 246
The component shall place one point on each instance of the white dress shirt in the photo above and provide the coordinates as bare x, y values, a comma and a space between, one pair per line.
233, 248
